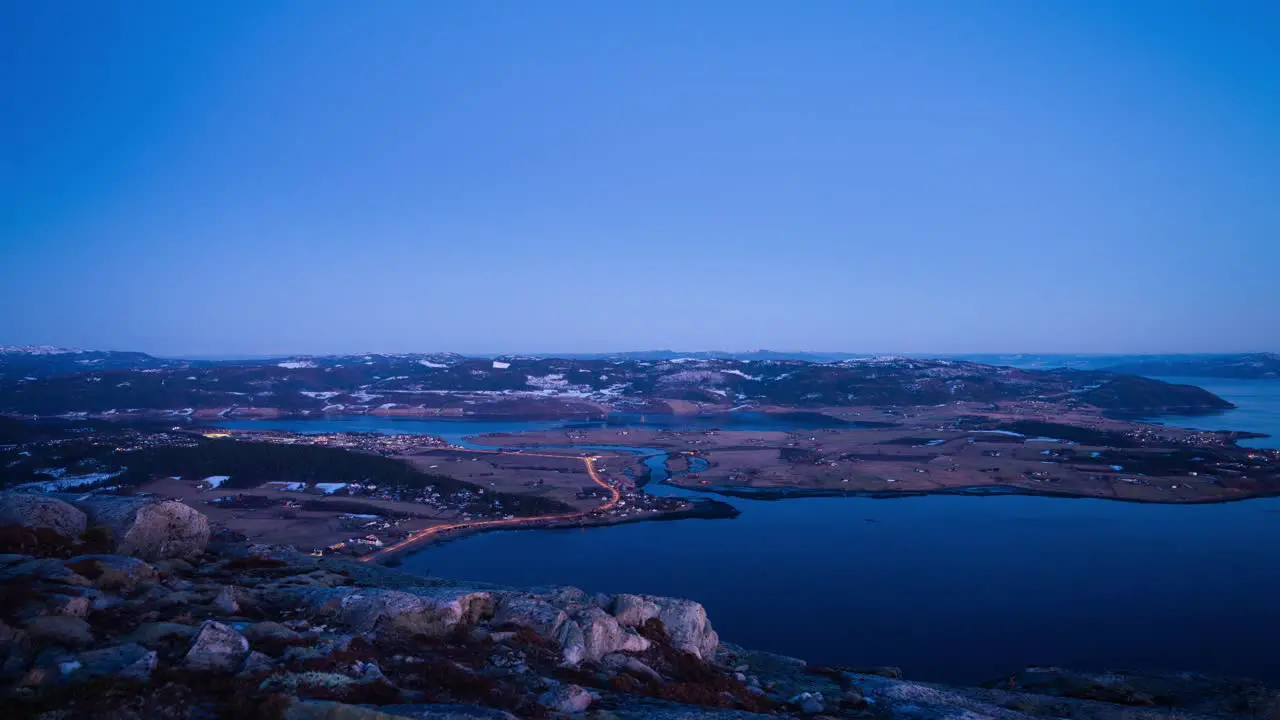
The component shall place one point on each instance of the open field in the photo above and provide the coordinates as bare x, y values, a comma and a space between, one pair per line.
1031, 446
557, 478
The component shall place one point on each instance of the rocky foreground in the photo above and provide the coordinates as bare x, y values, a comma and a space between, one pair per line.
137, 608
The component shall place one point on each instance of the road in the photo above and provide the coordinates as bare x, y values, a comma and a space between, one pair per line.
422, 535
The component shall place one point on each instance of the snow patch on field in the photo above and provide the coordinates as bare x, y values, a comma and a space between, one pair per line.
363, 396
63, 481
499, 365
428, 363
319, 395
215, 481
296, 364
739, 373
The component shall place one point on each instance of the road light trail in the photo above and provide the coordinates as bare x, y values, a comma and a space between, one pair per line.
422, 535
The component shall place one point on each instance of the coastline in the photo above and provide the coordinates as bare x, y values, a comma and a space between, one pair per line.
701, 509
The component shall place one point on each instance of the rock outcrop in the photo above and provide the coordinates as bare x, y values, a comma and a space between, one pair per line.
686, 621
146, 528
257, 632
40, 512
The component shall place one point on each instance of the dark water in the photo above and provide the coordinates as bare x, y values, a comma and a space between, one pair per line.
951, 588
1258, 408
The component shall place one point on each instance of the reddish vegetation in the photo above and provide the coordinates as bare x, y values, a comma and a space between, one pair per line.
41, 542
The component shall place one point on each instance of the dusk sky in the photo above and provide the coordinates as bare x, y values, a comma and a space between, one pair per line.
910, 177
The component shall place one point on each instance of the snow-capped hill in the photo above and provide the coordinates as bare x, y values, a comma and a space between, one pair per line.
36, 350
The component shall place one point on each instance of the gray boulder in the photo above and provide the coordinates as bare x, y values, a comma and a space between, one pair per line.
113, 572
257, 662
327, 710
603, 635
226, 602
568, 699
573, 644
41, 512
128, 662
271, 637
433, 711
686, 621
618, 662
61, 630
217, 648
537, 615
146, 527
432, 612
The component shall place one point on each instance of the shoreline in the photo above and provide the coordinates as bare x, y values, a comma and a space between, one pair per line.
701, 509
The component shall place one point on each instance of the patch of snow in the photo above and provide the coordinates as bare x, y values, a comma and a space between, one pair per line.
215, 481
364, 397
1010, 433
296, 364
499, 365
66, 482
330, 488
36, 350
428, 363
739, 373
319, 395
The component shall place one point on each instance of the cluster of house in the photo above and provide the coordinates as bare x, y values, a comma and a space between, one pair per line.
376, 443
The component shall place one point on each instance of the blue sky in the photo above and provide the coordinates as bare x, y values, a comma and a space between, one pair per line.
263, 177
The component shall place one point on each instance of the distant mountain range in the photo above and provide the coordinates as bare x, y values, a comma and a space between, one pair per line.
1253, 366
54, 383
44, 360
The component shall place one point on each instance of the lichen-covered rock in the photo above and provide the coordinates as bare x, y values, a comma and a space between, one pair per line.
41, 512
217, 648
113, 572
146, 527
430, 612
226, 601
257, 662
537, 615
328, 710
64, 630
271, 637
567, 699
603, 635
573, 644
329, 684
685, 621
434, 711
618, 662
73, 605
